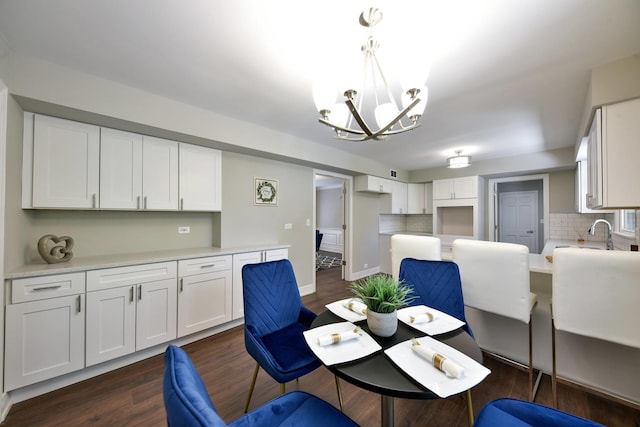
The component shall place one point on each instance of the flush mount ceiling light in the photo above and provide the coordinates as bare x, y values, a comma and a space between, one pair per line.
380, 102
458, 161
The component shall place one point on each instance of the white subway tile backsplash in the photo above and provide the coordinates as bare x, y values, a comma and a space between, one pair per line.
405, 224
574, 226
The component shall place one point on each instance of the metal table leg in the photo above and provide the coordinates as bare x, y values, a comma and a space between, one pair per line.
387, 411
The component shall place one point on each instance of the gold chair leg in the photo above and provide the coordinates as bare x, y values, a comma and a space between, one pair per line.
282, 388
339, 393
554, 380
469, 407
253, 384
531, 395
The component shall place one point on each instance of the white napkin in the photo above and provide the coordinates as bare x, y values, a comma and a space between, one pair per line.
355, 306
449, 367
338, 337
425, 317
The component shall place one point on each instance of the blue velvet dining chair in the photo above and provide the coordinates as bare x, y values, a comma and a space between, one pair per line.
507, 412
274, 320
436, 284
187, 402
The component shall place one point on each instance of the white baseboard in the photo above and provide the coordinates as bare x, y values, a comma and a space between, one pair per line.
356, 275
5, 405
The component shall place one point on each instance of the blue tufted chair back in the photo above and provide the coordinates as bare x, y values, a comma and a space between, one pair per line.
436, 284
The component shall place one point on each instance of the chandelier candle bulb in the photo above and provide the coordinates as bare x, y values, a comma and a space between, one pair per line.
440, 362
338, 337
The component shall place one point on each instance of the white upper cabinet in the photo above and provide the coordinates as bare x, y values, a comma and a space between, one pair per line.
399, 197
159, 174
420, 198
373, 184
66, 163
200, 178
455, 188
612, 154
120, 169
71, 165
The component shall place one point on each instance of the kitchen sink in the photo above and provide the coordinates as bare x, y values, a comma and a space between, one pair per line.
580, 247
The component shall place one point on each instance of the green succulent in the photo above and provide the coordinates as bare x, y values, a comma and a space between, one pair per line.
382, 293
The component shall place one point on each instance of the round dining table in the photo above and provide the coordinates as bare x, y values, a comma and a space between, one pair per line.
377, 373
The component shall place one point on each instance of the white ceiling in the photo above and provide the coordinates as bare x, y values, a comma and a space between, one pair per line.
507, 76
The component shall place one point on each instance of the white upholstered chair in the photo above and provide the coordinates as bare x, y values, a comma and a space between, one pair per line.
595, 294
495, 279
413, 246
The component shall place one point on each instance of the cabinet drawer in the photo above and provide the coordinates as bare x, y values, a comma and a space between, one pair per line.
189, 267
132, 275
43, 287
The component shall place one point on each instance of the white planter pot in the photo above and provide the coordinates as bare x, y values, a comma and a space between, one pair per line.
382, 324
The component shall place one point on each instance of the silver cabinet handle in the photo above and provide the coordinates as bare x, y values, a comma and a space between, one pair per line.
93, 200
145, 202
131, 294
46, 288
181, 204
139, 292
207, 265
181, 284
79, 303
138, 202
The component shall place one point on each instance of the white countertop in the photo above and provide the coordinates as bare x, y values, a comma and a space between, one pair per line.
537, 262
122, 260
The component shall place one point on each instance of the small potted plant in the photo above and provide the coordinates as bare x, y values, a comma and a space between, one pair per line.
383, 295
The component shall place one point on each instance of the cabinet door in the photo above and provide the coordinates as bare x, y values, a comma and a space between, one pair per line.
111, 319
239, 261
200, 178
159, 174
66, 164
156, 313
428, 198
120, 170
465, 187
415, 198
594, 163
399, 197
276, 254
44, 339
443, 189
204, 301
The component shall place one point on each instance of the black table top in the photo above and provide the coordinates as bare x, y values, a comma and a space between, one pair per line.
379, 374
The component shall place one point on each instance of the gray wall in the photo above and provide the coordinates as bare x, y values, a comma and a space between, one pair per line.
242, 223
562, 192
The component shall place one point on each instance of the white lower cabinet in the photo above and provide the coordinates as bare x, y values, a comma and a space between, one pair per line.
242, 259
129, 309
44, 329
204, 293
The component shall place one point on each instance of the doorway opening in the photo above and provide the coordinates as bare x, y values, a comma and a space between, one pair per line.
332, 207
518, 209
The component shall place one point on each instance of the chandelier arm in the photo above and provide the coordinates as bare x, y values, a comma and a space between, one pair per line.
358, 117
344, 129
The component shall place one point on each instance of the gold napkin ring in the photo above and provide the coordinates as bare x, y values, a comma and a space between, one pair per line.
335, 338
438, 361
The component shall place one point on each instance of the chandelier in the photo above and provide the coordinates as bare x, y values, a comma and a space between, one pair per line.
381, 106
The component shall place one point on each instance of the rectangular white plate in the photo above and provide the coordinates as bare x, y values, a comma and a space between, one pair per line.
442, 323
339, 309
344, 351
428, 375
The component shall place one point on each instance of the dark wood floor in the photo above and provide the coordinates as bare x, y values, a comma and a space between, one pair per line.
133, 395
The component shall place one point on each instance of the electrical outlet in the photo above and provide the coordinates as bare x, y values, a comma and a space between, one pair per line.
184, 230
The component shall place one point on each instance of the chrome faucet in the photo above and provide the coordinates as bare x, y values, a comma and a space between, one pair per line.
592, 231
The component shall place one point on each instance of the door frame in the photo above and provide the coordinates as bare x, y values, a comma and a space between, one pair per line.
492, 202
347, 256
